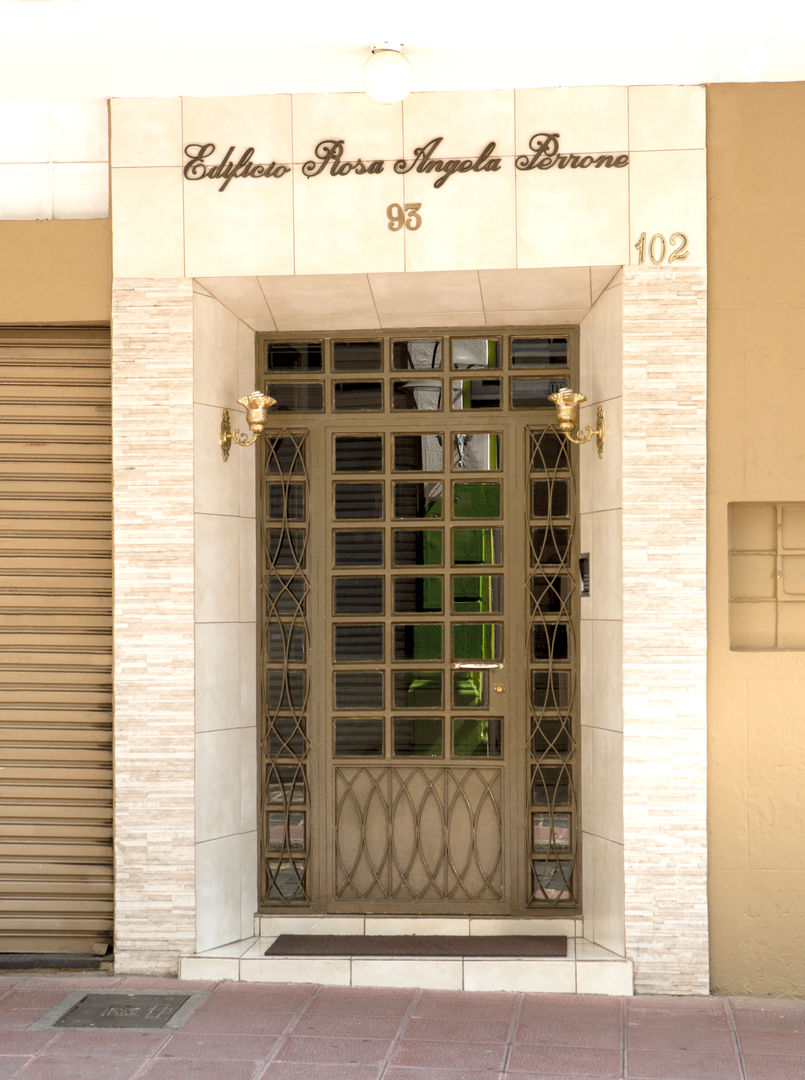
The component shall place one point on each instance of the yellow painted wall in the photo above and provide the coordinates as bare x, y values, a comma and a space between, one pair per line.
55, 271
756, 446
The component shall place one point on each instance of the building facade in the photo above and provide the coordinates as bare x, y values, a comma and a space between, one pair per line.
328, 709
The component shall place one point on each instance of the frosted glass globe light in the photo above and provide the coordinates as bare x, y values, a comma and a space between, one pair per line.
387, 75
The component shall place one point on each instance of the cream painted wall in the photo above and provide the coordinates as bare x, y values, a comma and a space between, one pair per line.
225, 634
55, 272
756, 444
54, 159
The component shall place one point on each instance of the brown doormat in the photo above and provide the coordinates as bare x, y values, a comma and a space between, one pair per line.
527, 946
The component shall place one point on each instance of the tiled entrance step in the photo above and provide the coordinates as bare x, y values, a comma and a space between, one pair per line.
587, 969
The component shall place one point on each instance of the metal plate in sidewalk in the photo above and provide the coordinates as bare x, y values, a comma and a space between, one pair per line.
136, 1010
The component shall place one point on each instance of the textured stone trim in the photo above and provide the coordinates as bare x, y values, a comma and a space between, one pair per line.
664, 628
152, 409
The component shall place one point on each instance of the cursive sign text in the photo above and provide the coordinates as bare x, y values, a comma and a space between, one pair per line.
227, 169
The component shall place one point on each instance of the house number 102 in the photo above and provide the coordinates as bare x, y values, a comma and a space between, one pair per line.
656, 248
407, 215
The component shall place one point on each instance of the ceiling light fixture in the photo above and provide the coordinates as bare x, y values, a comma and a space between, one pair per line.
387, 75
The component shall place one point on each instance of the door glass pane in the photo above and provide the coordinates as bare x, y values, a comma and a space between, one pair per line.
550, 785
546, 836
293, 839
286, 501
424, 395
475, 352
286, 641
417, 594
476, 452
533, 393
293, 356
286, 784
358, 595
358, 396
418, 641
417, 736
417, 689
476, 500
297, 397
477, 547
539, 352
286, 736
477, 641
358, 736
418, 453
480, 593
550, 641
475, 393
358, 547
549, 451
357, 642
284, 455
478, 736
550, 545
418, 547
418, 355
357, 356
357, 500
286, 596
359, 690
286, 547
418, 500
286, 880
550, 498
550, 734
358, 453
550, 594
470, 689
286, 689
550, 689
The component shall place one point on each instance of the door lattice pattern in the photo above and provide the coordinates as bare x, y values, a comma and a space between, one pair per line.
284, 682
551, 675
418, 834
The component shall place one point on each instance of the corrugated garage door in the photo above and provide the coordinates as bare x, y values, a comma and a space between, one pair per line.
55, 641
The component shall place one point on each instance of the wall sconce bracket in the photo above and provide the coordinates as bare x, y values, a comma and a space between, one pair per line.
257, 406
567, 404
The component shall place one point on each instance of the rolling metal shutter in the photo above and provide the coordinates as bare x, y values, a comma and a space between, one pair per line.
55, 641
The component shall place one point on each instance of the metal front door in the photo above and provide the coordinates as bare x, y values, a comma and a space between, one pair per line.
418, 627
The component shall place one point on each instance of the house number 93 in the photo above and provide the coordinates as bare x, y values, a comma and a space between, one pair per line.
407, 215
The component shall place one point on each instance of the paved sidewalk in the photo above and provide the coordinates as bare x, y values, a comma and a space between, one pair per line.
299, 1032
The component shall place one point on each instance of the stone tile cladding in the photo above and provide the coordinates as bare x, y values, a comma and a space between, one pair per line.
152, 396
664, 627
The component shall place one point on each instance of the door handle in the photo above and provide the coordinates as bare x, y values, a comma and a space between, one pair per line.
476, 665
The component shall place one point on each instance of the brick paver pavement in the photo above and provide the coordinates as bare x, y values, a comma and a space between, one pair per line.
249, 1031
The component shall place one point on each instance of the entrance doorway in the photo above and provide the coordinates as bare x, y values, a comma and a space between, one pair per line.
419, 610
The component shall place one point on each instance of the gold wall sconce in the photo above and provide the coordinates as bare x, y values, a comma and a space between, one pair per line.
567, 404
256, 406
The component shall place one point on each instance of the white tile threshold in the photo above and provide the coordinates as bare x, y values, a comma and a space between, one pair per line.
588, 968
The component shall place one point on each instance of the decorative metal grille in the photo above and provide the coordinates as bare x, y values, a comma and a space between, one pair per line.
552, 690
284, 684
420, 625
419, 834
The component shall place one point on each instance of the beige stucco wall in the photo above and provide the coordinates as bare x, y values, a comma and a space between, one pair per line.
756, 444
55, 271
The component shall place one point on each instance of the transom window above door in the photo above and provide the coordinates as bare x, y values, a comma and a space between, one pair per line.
413, 373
